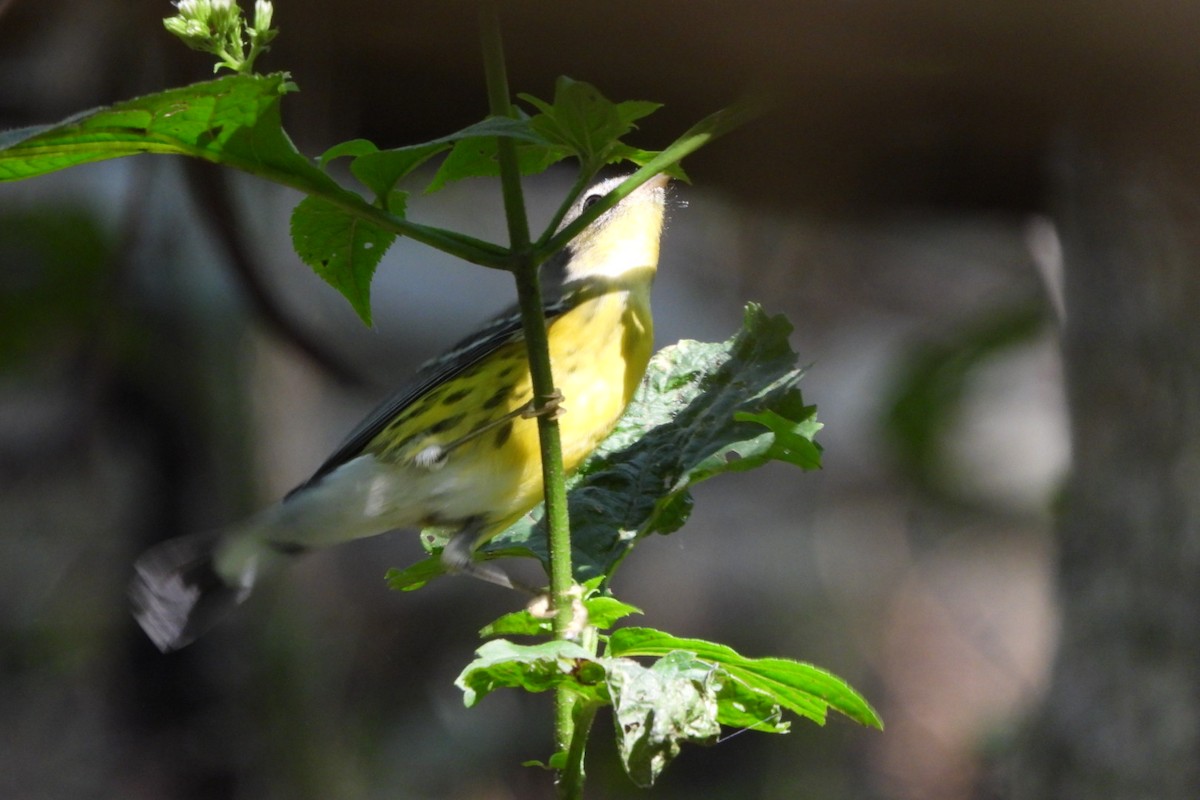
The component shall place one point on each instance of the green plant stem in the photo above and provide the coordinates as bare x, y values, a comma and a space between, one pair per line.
581, 182
529, 295
468, 248
571, 778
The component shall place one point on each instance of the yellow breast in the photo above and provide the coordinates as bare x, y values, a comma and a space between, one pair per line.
598, 353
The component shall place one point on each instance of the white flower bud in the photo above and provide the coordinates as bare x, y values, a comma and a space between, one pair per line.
263, 10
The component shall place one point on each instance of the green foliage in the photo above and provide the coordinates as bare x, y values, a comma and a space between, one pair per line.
534, 668
602, 610
584, 123
658, 708
686, 694
341, 248
235, 121
702, 410
232, 121
800, 688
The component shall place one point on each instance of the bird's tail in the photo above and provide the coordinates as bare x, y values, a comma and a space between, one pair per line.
177, 592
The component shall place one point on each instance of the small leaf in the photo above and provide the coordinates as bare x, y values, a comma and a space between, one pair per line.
517, 623
342, 248
658, 708
415, 576
801, 688
476, 157
534, 668
604, 611
586, 123
790, 440
382, 170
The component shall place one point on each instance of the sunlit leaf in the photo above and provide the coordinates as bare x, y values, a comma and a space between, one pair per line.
232, 121
342, 248
801, 688
658, 708
534, 668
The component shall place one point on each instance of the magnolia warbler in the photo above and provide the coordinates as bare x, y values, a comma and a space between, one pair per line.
457, 447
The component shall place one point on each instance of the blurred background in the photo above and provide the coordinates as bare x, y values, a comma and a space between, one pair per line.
981, 219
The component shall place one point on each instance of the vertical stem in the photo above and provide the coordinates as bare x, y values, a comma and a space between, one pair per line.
529, 297
570, 778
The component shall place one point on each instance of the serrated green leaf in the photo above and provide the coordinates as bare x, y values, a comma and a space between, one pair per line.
603, 612
630, 111
657, 708
342, 248
472, 154
801, 688
534, 668
476, 157
666, 161
586, 123
681, 428
382, 170
232, 121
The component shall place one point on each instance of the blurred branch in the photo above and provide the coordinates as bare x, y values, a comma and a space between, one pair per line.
1119, 718
210, 188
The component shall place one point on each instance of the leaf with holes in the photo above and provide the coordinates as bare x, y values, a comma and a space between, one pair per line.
801, 688
342, 248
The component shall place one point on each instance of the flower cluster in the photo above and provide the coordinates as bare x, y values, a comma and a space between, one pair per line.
218, 27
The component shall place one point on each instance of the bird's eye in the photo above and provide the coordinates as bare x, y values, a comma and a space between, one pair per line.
591, 200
